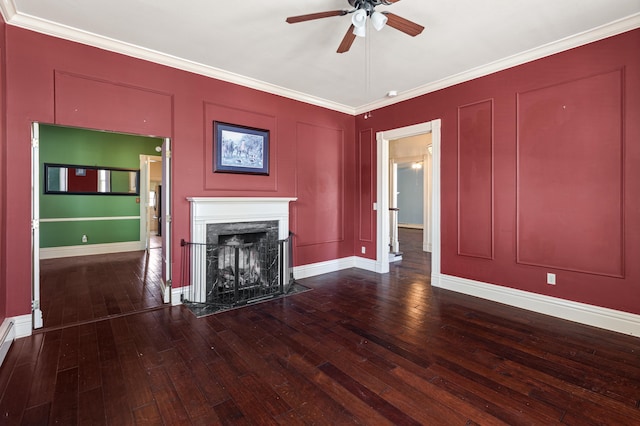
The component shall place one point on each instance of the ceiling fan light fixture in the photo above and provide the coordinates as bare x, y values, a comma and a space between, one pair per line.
361, 10
360, 31
378, 20
359, 18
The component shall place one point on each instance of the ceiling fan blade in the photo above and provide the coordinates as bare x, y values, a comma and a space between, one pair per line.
312, 16
347, 41
402, 24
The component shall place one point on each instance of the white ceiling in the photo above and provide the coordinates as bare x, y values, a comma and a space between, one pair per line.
248, 41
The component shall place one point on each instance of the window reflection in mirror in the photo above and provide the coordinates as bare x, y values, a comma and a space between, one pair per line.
87, 180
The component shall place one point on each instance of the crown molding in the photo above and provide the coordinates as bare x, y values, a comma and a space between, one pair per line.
620, 26
8, 9
13, 17
43, 26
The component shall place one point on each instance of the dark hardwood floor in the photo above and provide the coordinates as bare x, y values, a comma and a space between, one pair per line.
414, 260
359, 348
74, 290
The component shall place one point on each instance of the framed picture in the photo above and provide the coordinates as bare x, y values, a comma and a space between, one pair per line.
240, 149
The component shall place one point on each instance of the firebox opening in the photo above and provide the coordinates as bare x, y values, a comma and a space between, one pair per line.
242, 262
242, 259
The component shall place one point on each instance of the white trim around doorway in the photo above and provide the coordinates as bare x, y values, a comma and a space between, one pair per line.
382, 205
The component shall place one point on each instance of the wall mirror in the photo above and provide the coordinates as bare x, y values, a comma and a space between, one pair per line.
90, 180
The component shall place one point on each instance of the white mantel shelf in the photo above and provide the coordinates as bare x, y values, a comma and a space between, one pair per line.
240, 199
205, 210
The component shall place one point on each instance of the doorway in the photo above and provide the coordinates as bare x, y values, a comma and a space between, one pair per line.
410, 190
90, 242
383, 191
151, 200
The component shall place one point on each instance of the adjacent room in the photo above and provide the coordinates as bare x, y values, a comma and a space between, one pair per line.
100, 247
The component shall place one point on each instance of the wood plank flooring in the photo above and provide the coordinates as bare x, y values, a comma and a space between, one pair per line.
360, 348
74, 290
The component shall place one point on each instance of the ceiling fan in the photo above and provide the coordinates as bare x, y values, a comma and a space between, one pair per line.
361, 10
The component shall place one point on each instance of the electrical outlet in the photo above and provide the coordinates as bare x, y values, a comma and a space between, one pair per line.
84, 238
363, 249
551, 278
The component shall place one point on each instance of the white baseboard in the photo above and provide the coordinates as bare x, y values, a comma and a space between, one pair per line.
166, 291
320, 268
23, 325
176, 296
427, 247
608, 319
90, 249
366, 264
7, 336
313, 269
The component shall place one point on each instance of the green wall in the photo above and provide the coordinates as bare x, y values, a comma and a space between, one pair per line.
81, 147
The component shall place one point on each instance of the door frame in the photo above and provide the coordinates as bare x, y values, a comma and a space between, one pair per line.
37, 319
382, 206
36, 312
166, 219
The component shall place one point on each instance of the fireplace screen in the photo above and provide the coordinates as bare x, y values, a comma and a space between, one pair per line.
239, 264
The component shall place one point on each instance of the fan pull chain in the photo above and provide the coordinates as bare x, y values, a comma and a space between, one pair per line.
367, 47
367, 69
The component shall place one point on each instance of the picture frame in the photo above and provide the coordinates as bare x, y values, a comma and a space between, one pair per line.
240, 149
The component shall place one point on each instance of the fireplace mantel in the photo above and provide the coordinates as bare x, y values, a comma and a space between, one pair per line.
218, 210
205, 210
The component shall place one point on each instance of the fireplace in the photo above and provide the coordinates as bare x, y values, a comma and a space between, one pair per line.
239, 250
242, 262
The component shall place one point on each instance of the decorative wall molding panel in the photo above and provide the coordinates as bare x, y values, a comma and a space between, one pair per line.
475, 180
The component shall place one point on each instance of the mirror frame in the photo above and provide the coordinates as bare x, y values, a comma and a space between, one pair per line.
77, 166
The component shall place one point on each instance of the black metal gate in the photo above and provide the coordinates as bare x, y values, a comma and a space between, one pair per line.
235, 272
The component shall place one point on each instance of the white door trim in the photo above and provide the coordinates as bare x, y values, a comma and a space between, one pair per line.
382, 228
166, 219
35, 226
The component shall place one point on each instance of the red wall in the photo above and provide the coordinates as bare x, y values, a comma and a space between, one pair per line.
3, 241
55, 81
88, 182
539, 162
540, 173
